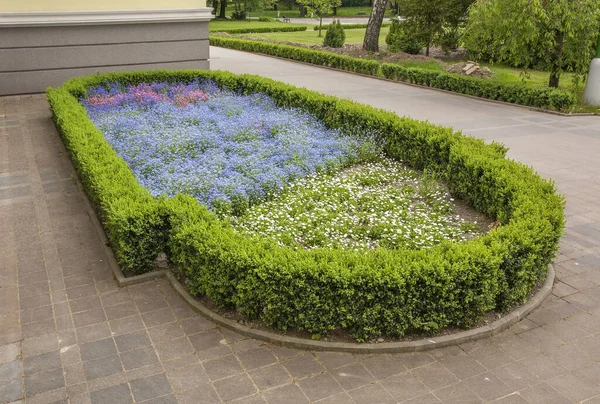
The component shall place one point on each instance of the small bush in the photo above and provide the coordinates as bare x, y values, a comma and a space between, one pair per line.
266, 19
335, 36
400, 39
450, 39
239, 14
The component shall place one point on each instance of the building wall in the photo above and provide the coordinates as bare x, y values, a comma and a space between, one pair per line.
81, 5
45, 47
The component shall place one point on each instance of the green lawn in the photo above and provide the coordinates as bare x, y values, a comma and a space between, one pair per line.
216, 25
311, 37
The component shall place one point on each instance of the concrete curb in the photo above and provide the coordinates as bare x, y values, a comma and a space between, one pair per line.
546, 111
300, 343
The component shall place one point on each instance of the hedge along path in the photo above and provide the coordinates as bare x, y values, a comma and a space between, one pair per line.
382, 292
543, 98
261, 30
350, 26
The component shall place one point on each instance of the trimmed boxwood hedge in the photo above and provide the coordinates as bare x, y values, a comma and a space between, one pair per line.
261, 30
351, 26
537, 97
383, 292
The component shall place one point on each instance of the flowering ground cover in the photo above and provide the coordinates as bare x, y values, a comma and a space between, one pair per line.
305, 185
377, 204
228, 150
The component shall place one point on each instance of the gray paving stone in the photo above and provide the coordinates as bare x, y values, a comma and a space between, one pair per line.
320, 386
42, 382
119, 394
41, 363
138, 358
10, 371
11, 390
98, 349
150, 387
303, 366
102, 367
235, 387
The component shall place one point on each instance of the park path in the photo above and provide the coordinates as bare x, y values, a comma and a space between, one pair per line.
68, 334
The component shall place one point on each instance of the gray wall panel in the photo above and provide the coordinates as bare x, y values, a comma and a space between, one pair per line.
36, 82
20, 37
28, 59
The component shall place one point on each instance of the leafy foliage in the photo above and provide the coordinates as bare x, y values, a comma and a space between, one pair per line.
400, 40
335, 35
430, 20
320, 8
545, 98
555, 34
381, 293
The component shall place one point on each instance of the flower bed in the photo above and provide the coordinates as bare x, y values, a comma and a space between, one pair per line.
378, 204
227, 150
379, 292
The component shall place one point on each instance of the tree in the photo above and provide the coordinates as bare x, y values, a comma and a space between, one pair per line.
371, 41
242, 7
222, 8
430, 19
557, 34
320, 8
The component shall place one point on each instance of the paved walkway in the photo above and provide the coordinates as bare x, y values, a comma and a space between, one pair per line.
68, 334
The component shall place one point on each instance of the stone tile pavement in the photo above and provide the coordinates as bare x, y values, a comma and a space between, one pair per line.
68, 334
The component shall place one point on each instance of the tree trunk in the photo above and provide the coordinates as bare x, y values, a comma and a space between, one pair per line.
427, 49
557, 59
320, 25
335, 11
302, 10
371, 42
223, 8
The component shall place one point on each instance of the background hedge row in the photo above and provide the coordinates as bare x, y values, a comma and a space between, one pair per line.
545, 98
351, 26
260, 30
383, 292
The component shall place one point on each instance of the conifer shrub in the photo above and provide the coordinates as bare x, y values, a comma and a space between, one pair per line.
335, 36
400, 39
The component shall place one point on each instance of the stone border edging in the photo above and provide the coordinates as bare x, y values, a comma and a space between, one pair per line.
300, 343
380, 348
473, 97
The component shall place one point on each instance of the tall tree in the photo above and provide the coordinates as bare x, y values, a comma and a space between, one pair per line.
559, 34
371, 41
222, 8
320, 8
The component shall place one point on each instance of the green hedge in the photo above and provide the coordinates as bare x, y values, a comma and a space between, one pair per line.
383, 292
351, 26
130, 215
545, 98
261, 30
363, 66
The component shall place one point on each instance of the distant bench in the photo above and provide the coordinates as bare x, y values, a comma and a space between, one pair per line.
285, 19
